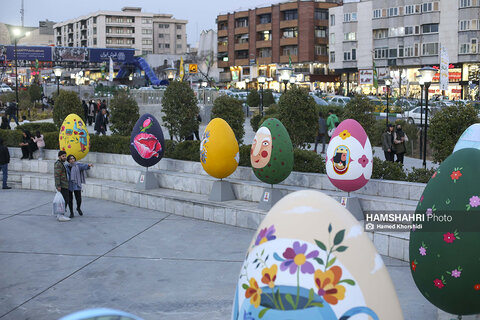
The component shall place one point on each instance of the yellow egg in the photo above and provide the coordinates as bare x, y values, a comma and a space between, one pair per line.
73, 137
219, 149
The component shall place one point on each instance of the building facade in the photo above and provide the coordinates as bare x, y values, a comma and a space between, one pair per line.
43, 36
128, 28
259, 41
401, 36
169, 35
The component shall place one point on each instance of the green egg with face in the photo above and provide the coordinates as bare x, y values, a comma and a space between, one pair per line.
271, 155
444, 255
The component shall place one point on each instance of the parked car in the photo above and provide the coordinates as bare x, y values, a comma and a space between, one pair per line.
338, 100
5, 88
405, 104
413, 116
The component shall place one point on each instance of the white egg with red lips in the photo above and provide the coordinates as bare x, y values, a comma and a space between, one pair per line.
349, 158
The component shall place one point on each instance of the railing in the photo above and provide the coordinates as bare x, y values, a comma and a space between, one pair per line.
154, 96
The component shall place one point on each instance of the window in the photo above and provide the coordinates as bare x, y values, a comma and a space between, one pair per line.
331, 41
410, 9
349, 36
347, 56
290, 33
241, 38
179, 46
94, 30
429, 49
94, 41
242, 54
427, 7
265, 18
349, 17
380, 33
264, 52
321, 50
377, 13
430, 28
392, 53
289, 50
321, 32
147, 51
464, 25
167, 45
264, 35
290, 14
332, 56
381, 53
392, 12
400, 51
223, 41
465, 3
179, 27
241, 23
321, 14
163, 26
408, 30
146, 21
473, 43
332, 19
408, 52
147, 41
464, 48
396, 32
147, 31
179, 36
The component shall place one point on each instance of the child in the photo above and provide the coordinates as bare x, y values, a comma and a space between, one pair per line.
38, 139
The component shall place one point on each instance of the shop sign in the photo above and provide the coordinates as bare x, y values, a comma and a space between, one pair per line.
365, 76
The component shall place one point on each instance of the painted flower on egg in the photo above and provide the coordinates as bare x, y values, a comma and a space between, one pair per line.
146, 141
349, 159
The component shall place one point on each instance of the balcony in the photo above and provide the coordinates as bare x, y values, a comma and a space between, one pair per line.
265, 60
223, 17
240, 30
288, 6
263, 10
288, 41
285, 59
264, 27
242, 62
70, 30
288, 24
322, 59
241, 14
321, 23
264, 44
321, 40
222, 48
222, 64
241, 46
222, 33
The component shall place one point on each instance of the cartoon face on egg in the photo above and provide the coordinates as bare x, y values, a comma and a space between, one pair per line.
349, 159
261, 148
310, 259
74, 138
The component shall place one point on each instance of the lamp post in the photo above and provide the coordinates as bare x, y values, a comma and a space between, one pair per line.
170, 73
292, 80
427, 76
421, 83
16, 33
261, 81
285, 73
247, 81
58, 73
204, 85
388, 83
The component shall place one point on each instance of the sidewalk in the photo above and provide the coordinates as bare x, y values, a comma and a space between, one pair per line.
145, 262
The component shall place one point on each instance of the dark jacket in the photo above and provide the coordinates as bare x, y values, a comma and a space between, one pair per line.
11, 108
387, 141
100, 121
4, 155
60, 174
322, 126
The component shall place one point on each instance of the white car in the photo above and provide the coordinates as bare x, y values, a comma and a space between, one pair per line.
5, 88
338, 100
413, 116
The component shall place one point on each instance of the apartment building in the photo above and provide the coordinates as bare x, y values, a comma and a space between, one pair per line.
169, 35
128, 28
400, 36
261, 40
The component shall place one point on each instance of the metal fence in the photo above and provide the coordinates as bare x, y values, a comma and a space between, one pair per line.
204, 96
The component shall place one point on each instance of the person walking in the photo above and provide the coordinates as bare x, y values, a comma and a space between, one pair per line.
12, 112
387, 143
101, 122
91, 113
322, 131
76, 177
85, 109
61, 181
4, 161
331, 120
399, 139
38, 139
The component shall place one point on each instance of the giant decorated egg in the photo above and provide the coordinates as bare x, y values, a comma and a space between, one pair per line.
271, 155
349, 159
74, 138
310, 259
444, 255
146, 141
470, 138
219, 149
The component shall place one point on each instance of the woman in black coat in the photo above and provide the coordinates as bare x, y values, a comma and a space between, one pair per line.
28, 145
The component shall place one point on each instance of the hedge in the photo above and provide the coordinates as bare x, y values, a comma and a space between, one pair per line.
43, 127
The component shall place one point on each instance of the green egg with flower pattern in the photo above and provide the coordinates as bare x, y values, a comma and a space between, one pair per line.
444, 256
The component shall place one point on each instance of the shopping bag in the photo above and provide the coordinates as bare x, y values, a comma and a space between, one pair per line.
58, 204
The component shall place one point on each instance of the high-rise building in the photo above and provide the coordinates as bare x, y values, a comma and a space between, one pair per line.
401, 36
169, 35
260, 41
129, 28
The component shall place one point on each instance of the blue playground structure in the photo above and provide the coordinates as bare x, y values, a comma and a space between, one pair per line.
140, 63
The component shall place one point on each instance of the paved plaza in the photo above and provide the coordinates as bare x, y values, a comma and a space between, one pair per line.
149, 263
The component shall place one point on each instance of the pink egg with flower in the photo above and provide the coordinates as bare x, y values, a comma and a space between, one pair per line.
349, 158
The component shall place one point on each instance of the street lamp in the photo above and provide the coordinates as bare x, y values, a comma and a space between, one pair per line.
204, 85
16, 34
285, 73
246, 83
427, 76
170, 72
388, 83
292, 80
421, 82
261, 82
58, 73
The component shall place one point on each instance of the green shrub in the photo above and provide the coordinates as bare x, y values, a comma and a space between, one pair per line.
308, 161
230, 110
420, 175
124, 114
447, 126
180, 107
51, 140
360, 109
110, 144
187, 150
338, 110
379, 128
11, 138
43, 127
253, 98
35, 92
245, 155
388, 170
297, 112
67, 102
268, 98
255, 122
169, 148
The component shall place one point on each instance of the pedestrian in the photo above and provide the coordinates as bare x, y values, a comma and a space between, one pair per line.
387, 143
28, 146
4, 161
24, 120
61, 181
76, 177
101, 123
85, 110
38, 139
199, 120
103, 105
12, 112
399, 139
91, 113
331, 120
5, 123
322, 131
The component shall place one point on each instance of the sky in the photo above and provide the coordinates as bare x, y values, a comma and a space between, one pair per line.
201, 15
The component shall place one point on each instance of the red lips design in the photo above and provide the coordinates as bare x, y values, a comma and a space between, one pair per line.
147, 145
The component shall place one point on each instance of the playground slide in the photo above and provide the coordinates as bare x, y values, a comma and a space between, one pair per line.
142, 64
